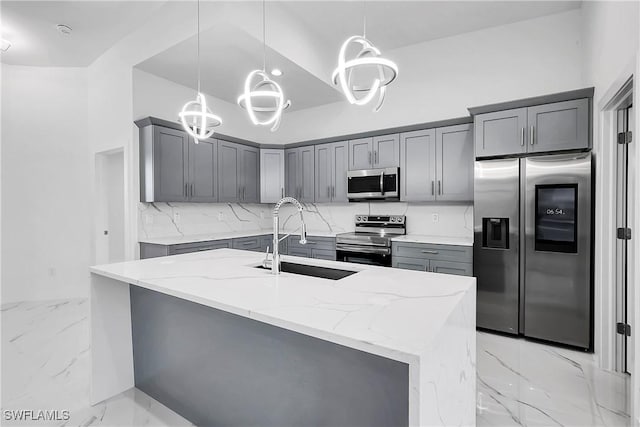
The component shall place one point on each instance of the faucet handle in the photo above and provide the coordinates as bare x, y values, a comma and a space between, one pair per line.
265, 262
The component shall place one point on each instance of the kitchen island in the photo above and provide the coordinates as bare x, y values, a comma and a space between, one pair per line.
225, 343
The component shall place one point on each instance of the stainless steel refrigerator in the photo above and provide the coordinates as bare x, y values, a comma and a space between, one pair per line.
533, 247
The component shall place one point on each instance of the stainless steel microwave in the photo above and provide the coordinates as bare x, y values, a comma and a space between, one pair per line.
373, 184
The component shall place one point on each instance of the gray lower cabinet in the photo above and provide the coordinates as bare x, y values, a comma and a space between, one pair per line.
173, 168
418, 166
447, 259
316, 247
238, 172
537, 129
300, 173
373, 153
331, 172
251, 243
152, 250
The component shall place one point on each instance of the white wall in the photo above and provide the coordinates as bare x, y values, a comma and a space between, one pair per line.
439, 79
611, 40
45, 183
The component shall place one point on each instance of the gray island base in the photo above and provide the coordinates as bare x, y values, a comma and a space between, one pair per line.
226, 344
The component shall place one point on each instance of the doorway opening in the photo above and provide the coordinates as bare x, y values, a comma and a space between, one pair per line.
624, 198
110, 207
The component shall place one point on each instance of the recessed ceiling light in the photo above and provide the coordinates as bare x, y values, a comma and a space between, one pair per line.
5, 45
64, 29
277, 72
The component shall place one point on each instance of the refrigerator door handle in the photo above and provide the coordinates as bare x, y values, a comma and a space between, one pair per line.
522, 136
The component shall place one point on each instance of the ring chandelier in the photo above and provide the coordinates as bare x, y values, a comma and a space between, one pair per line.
368, 56
265, 97
197, 120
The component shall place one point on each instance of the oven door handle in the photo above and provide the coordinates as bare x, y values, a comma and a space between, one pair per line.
364, 250
382, 183
358, 244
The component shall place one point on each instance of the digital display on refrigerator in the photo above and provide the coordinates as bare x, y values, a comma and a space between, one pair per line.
556, 218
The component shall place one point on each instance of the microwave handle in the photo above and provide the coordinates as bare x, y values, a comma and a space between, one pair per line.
382, 183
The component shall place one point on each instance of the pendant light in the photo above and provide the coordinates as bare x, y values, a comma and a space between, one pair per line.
195, 116
262, 96
368, 56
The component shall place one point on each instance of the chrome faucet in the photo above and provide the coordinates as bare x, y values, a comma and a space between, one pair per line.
274, 263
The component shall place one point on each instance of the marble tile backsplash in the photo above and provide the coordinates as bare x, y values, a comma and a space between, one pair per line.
184, 219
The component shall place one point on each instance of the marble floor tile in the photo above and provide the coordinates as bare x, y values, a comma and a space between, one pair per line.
45, 365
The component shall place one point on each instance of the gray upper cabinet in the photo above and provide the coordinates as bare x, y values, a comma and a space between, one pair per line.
454, 163
173, 168
538, 129
291, 172
271, 175
373, 153
203, 158
331, 172
418, 165
228, 171
386, 151
361, 153
501, 133
559, 126
238, 172
250, 174
300, 173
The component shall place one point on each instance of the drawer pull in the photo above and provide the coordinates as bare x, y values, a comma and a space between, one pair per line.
430, 252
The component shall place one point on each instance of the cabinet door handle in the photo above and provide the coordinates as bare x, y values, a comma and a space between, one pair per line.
333, 192
329, 192
186, 190
522, 137
282, 192
369, 157
375, 156
533, 136
432, 187
191, 190
430, 252
439, 187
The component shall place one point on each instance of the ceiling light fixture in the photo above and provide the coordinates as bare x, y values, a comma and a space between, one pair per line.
196, 118
368, 56
277, 72
265, 98
5, 45
64, 29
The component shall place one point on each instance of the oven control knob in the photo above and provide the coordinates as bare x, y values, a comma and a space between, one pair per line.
393, 219
359, 218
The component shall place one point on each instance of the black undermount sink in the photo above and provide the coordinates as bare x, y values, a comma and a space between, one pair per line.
312, 270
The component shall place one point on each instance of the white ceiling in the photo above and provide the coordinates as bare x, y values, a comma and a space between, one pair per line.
227, 55
303, 37
30, 26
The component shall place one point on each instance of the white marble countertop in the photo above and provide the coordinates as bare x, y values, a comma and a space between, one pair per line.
176, 240
436, 240
390, 312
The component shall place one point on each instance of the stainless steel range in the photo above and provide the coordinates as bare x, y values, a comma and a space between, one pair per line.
371, 242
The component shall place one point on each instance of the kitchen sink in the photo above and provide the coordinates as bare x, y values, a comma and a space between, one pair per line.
312, 270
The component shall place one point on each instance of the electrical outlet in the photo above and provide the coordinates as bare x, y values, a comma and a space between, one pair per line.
220, 216
176, 217
435, 217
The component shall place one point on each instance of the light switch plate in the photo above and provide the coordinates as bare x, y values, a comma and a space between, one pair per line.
220, 216
435, 217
